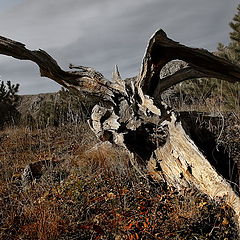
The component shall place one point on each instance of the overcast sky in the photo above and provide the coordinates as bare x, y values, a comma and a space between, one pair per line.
102, 33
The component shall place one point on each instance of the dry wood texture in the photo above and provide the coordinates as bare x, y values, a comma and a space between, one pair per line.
131, 115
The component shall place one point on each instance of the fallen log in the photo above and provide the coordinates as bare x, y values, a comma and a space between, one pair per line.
130, 113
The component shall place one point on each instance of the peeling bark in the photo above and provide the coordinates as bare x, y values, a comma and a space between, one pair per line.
128, 112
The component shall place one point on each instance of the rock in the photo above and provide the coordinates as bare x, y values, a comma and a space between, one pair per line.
34, 171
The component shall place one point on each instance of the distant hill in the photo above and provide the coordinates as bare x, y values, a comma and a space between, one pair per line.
30, 104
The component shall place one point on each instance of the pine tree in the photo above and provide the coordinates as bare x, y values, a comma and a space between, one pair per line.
8, 93
235, 25
8, 103
232, 50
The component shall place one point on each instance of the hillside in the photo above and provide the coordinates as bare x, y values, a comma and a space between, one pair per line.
32, 103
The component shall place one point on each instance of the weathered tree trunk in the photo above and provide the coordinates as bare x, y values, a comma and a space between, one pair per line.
130, 112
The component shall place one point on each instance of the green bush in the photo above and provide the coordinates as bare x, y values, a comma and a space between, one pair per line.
8, 103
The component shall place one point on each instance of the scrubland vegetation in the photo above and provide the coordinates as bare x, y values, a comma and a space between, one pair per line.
91, 190
95, 193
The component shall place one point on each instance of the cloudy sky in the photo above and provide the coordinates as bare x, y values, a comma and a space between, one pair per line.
101, 33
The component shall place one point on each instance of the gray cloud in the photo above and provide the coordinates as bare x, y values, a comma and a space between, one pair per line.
107, 32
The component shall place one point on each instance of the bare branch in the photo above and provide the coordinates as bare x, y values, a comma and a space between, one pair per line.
162, 50
86, 80
179, 76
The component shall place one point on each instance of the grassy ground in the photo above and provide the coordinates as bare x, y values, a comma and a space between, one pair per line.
94, 193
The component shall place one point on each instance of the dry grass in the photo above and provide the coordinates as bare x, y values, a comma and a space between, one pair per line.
205, 95
94, 194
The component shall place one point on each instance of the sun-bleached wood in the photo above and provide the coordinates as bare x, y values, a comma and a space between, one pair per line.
127, 113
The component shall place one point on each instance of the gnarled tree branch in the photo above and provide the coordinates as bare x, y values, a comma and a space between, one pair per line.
202, 63
86, 80
148, 132
177, 77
